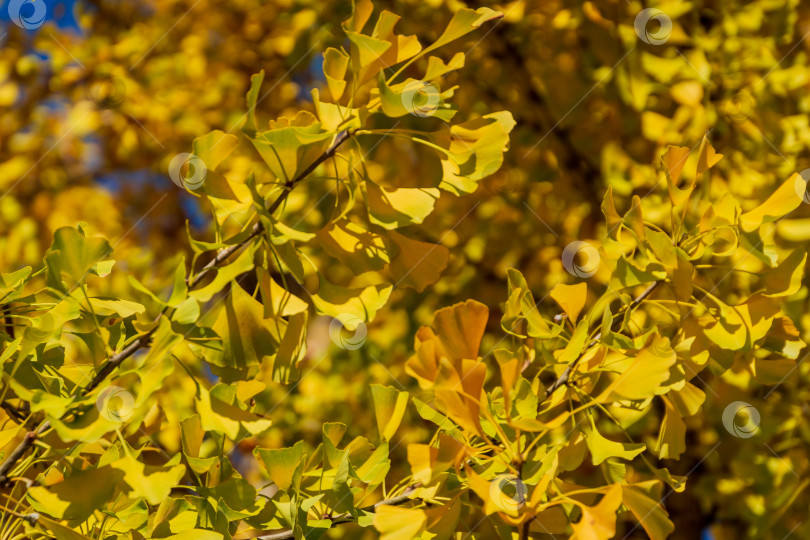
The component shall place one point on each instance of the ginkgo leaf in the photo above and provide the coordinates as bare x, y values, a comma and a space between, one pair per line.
277, 301
224, 276
641, 376
397, 523
72, 257
571, 298
786, 279
335, 64
474, 150
415, 97
602, 448
417, 264
246, 336
612, 217
220, 411
289, 149
58, 500
281, 464
251, 125
707, 157
674, 160
396, 208
648, 511
599, 522
672, 437
60, 531
437, 68
360, 249
780, 203
458, 331
389, 408
726, 327
366, 50
463, 22
150, 482
11, 283
214, 147
350, 306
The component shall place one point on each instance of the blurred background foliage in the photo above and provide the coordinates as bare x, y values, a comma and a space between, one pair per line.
96, 102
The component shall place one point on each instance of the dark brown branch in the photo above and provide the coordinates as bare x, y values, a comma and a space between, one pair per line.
13, 412
143, 340
347, 518
566, 375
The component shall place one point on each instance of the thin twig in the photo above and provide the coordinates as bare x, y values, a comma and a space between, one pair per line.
143, 340
566, 375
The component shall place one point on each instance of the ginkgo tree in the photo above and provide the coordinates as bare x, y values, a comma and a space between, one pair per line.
128, 409
543, 428
69, 338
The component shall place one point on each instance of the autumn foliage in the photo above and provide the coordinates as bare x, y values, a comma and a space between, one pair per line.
284, 270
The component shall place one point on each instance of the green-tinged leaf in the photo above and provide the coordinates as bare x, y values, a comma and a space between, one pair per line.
278, 301
396, 208
602, 448
335, 64
247, 337
72, 257
221, 412
282, 463
251, 127
289, 149
60, 501
224, 276
147, 481
214, 147
350, 306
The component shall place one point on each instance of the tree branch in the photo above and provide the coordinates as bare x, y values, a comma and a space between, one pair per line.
566, 375
144, 339
258, 228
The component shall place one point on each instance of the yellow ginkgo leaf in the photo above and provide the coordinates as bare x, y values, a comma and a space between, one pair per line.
397, 523
571, 298
707, 157
781, 202
599, 522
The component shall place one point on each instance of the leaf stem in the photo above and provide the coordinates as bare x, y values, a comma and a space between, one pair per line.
144, 339
347, 518
566, 375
